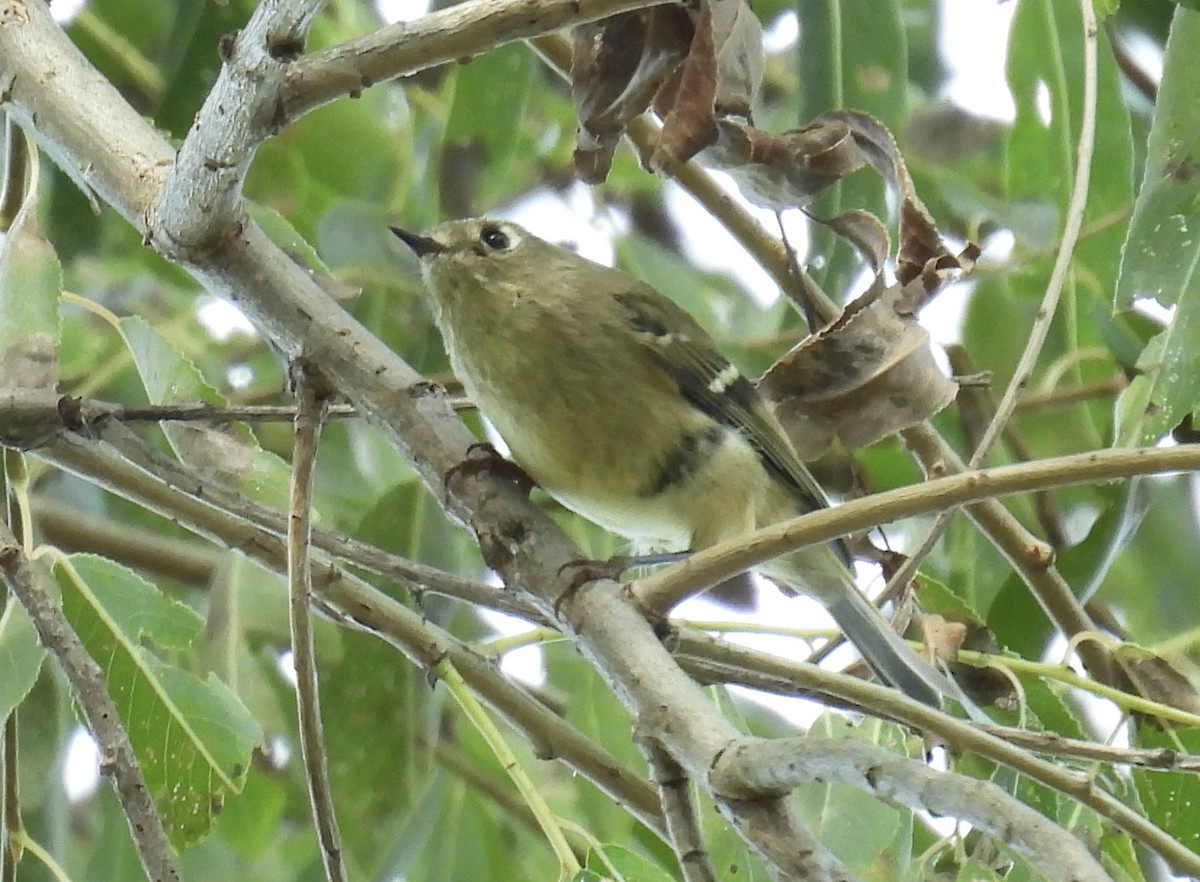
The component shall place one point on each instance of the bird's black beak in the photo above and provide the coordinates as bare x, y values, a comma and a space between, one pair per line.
421, 245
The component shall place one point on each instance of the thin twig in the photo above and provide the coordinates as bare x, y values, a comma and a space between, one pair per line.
549, 825
211, 413
309, 416
1161, 759
661, 591
1045, 314
1032, 558
680, 812
1066, 395
445, 35
418, 577
491, 788
12, 837
14, 828
246, 413
96, 705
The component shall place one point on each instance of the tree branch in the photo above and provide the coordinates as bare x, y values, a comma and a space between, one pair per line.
306, 436
445, 35
662, 590
760, 765
356, 603
96, 705
679, 812
720, 661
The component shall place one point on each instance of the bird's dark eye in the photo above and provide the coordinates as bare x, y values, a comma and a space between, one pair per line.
494, 238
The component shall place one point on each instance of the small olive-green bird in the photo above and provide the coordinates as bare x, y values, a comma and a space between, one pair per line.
620, 406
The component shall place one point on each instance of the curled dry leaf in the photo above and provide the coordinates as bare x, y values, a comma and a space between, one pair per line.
617, 66
788, 170
718, 79
700, 67
943, 638
864, 231
694, 63
866, 375
1159, 680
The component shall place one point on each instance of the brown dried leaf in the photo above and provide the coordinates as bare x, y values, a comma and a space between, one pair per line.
943, 638
790, 170
737, 35
686, 101
1157, 679
864, 231
720, 77
919, 240
784, 171
865, 376
617, 66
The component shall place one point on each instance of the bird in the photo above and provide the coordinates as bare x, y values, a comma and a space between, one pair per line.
619, 404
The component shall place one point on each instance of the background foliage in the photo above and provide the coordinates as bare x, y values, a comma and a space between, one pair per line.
201, 634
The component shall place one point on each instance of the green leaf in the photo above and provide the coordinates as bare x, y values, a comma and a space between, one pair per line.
30, 291
1170, 798
490, 95
630, 866
191, 62
233, 456
20, 656
192, 737
282, 233
856, 826
1162, 250
1119, 858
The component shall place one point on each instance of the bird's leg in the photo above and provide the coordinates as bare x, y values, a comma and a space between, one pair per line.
483, 458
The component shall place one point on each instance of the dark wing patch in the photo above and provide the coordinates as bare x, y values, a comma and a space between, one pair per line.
713, 385
689, 456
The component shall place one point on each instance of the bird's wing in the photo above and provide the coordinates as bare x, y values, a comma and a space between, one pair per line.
685, 351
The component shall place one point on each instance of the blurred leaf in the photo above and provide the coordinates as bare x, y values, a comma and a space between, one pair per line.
191, 58
631, 866
488, 118
30, 288
1120, 858
20, 656
1163, 247
232, 456
192, 737
1169, 798
853, 824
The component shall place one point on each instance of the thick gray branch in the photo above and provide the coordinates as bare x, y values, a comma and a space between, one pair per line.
203, 195
766, 766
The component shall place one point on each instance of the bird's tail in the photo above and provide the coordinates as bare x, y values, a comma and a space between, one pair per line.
896, 663
820, 573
